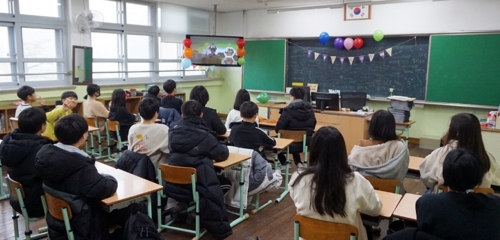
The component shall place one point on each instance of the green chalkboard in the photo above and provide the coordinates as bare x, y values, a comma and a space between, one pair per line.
464, 69
264, 68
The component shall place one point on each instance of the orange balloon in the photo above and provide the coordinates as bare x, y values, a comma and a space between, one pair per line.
188, 52
241, 52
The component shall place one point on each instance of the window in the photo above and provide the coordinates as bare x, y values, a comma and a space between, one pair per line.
138, 14
109, 9
45, 8
139, 46
39, 43
105, 45
4, 6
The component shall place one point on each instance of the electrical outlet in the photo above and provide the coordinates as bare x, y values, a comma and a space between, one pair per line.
273, 98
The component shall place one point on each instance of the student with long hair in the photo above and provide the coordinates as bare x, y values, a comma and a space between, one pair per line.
464, 132
93, 108
384, 155
212, 120
328, 189
234, 116
118, 112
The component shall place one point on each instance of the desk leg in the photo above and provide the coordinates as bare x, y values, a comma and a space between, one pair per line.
150, 211
286, 176
3, 195
241, 217
407, 135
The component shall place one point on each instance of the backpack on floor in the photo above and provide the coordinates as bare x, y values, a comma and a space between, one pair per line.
140, 226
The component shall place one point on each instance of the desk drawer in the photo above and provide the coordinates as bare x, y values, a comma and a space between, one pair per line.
330, 119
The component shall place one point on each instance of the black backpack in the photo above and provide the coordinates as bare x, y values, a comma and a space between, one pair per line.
140, 226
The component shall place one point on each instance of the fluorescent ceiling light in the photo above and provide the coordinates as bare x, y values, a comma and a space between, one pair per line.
378, 2
298, 8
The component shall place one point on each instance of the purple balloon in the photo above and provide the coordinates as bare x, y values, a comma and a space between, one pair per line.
339, 43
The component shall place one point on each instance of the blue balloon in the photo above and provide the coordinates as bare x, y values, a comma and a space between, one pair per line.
186, 63
324, 38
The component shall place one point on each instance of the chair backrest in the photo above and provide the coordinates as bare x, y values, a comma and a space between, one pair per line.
296, 135
386, 185
113, 125
442, 189
91, 122
55, 206
13, 185
310, 228
177, 175
13, 123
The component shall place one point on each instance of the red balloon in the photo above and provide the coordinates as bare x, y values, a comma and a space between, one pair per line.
187, 42
358, 43
241, 42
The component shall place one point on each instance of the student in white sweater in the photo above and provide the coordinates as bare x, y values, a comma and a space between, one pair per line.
464, 132
234, 115
328, 189
149, 137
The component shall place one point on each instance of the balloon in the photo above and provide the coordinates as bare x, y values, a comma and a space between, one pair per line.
241, 61
358, 43
241, 42
188, 53
339, 43
324, 38
241, 52
348, 42
187, 42
378, 35
263, 97
186, 63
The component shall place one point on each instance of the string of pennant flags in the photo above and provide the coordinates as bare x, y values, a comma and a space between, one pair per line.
351, 59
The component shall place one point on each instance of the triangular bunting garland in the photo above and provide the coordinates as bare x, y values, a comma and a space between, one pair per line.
324, 57
382, 54
361, 58
309, 53
333, 59
342, 60
389, 51
316, 55
351, 59
371, 55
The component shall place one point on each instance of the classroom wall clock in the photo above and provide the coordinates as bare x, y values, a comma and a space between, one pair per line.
357, 12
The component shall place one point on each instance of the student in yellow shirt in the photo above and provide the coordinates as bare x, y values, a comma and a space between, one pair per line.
69, 100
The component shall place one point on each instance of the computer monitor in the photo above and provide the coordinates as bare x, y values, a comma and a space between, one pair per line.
325, 101
353, 100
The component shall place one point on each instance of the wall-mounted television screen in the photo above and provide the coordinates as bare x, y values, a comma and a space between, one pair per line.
214, 50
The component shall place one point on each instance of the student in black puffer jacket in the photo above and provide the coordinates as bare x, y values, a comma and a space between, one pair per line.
18, 151
298, 115
192, 144
69, 173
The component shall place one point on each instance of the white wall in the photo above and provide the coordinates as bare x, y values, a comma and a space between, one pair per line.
392, 19
230, 24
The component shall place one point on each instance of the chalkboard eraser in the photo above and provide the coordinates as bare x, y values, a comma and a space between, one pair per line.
279, 102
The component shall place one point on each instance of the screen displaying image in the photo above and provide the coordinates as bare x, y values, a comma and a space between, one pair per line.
214, 50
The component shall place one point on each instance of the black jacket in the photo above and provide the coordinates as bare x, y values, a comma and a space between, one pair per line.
126, 120
246, 135
171, 102
74, 178
192, 144
149, 95
411, 234
298, 115
213, 121
17, 152
137, 164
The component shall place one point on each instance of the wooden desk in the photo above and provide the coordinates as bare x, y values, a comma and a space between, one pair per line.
272, 126
282, 143
93, 129
103, 168
414, 164
130, 188
389, 202
406, 207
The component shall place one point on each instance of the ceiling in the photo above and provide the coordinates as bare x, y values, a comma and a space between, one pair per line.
238, 5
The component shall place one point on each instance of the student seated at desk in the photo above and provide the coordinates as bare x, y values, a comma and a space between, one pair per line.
192, 144
69, 173
210, 116
464, 132
68, 99
234, 116
18, 151
328, 189
93, 108
169, 100
118, 112
28, 95
384, 155
459, 214
246, 135
153, 93
148, 137
298, 115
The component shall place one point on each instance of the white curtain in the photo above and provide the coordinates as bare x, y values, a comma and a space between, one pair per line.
177, 21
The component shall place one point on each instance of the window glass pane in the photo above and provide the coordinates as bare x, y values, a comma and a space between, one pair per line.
194, 71
4, 6
169, 50
5, 69
39, 43
139, 67
105, 45
46, 8
4, 40
138, 14
109, 9
41, 68
170, 66
105, 67
138, 46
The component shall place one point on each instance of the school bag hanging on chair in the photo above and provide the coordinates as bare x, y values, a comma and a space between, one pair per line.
140, 226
